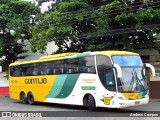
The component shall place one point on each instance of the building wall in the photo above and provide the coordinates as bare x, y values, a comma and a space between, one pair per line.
152, 57
4, 90
154, 89
50, 48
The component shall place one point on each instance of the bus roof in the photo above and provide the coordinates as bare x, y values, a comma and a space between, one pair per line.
59, 55
110, 53
73, 55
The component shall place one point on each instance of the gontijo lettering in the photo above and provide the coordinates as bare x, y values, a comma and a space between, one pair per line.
36, 81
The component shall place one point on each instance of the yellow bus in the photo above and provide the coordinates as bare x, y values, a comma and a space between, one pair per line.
112, 79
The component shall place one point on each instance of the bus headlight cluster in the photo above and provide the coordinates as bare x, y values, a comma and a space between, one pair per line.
145, 96
123, 98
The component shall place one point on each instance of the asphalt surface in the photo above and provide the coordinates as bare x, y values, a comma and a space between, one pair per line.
17, 110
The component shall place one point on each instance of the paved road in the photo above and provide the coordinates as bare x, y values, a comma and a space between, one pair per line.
18, 110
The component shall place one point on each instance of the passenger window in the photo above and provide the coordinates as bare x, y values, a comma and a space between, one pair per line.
58, 67
17, 71
71, 65
36, 70
87, 64
24, 70
45, 68
30, 69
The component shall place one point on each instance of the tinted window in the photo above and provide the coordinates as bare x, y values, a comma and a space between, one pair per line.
58, 67
30, 68
71, 65
36, 69
24, 70
66, 66
45, 68
15, 71
87, 64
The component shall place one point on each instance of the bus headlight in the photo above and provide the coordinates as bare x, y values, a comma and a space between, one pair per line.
123, 98
146, 96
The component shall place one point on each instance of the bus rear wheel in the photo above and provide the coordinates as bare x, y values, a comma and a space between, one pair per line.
23, 98
91, 103
30, 98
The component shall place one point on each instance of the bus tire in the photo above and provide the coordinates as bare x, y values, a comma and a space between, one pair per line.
23, 98
30, 98
91, 103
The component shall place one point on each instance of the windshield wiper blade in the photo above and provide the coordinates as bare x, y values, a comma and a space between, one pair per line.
132, 82
138, 80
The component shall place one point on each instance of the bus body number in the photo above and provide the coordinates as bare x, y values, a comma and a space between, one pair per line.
14, 81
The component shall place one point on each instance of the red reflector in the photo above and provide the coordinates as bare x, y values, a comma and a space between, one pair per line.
138, 102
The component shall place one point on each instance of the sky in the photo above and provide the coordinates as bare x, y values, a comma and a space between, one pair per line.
50, 49
44, 6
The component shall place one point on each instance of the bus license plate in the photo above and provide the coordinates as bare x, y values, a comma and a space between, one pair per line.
137, 102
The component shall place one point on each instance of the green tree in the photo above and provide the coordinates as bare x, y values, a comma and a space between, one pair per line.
16, 17
82, 25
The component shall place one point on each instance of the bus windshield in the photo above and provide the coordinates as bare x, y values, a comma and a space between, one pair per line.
133, 74
127, 60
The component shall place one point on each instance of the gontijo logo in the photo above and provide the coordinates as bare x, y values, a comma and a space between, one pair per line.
36, 81
84, 80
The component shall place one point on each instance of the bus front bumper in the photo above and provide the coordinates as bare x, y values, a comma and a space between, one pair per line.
128, 103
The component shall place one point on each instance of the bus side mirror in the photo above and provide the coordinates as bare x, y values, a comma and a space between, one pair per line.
151, 67
118, 69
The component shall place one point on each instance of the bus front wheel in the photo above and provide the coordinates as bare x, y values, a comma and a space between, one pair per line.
30, 98
91, 103
23, 98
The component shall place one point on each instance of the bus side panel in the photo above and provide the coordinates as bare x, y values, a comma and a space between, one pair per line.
86, 84
62, 88
38, 85
73, 88
14, 92
90, 84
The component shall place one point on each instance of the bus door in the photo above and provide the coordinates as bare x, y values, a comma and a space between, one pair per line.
107, 89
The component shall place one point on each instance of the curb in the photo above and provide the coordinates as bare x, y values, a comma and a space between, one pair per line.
4, 95
154, 100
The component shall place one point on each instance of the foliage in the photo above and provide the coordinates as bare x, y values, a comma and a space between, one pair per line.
16, 17
82, 25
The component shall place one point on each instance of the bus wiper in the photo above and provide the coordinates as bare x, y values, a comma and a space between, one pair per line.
138, 80
132, 82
